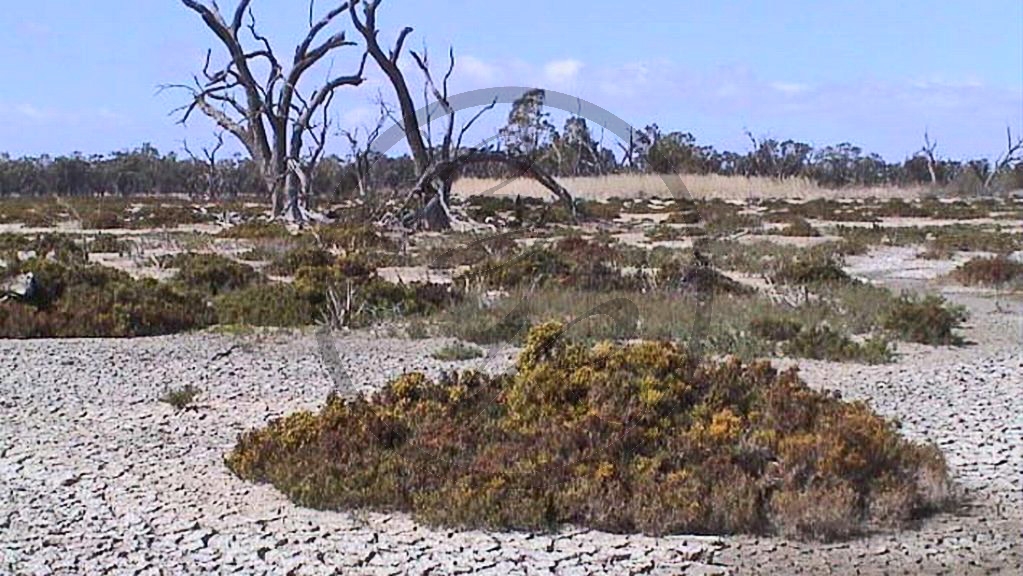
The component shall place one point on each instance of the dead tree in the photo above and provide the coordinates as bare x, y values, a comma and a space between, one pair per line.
436, 166
258, 100
209, 161
928, 152
360, 150
1013, 153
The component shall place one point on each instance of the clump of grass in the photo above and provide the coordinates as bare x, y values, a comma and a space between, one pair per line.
181, 397
995, 271
926, 320
457, 351
637, 438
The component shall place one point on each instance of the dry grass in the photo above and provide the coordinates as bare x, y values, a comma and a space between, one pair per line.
699, 186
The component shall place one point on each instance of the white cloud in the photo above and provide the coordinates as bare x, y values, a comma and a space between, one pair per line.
36, 115
791, 88
477, 70
562, 71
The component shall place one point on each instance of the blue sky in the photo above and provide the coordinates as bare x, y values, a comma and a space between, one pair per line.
83, 75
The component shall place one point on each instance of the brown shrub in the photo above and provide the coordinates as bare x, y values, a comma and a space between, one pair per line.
996, 271
642, 437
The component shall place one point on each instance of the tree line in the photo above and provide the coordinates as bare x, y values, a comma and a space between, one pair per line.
574, 150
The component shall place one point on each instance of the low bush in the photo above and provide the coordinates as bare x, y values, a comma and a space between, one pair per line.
110, 244
822, 342
809, 271
995, 271
181, 397
775, 328
688, 217
289, 262
927, 320
211, 273
103, 219
92, 301
457, 351
636, 438
799, 227
255, 230
56, 247
266, 305
678, 276
354, 238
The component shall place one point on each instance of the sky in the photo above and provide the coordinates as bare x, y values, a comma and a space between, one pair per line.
84, 76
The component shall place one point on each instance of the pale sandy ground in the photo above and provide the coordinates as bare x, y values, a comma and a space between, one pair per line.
96, 476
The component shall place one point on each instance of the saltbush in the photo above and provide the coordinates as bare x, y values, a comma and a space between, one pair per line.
995, 271
211, 273
635, 438
83, 301
808, 271
270, 304
927, 320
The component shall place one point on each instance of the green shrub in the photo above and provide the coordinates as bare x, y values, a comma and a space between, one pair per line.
93, 301
996, 271
636, 438
288, 263
822, 342
775, 329
809, 271
211, 273
266, 305
927, 320
58, 247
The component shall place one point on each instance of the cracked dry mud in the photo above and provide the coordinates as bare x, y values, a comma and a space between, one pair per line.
97, 476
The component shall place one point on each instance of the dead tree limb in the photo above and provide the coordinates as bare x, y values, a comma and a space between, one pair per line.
1013, 154
214, 182
256, 98
928, 152
361, 147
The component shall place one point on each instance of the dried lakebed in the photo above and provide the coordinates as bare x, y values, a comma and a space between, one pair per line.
97, 476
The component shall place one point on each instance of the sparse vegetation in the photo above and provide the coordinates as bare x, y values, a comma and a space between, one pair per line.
181, 397
457, 351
